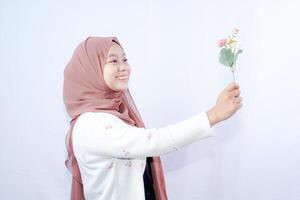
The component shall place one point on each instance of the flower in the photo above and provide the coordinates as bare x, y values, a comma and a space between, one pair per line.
235, 31
231, 41
222, 42
229, 53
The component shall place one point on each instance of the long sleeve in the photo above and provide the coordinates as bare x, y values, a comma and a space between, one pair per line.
107, 135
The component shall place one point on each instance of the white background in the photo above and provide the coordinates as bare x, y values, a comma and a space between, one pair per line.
172, 48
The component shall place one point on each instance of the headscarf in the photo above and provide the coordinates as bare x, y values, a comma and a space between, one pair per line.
85, 90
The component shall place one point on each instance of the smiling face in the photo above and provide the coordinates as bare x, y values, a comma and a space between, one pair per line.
116, 71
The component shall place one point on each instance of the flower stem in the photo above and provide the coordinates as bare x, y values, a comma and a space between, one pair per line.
233, 76
232, 70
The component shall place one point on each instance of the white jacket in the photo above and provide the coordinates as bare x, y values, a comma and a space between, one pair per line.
111, 154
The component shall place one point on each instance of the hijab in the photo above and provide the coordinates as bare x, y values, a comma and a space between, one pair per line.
84, 90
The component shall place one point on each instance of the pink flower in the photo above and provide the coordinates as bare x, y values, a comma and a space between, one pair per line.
222, 42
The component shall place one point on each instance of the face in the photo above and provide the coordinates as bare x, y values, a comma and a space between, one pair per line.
116, 71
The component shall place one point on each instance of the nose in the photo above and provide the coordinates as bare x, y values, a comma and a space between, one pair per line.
123, 67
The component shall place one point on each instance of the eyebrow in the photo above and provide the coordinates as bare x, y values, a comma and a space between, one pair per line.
111, 55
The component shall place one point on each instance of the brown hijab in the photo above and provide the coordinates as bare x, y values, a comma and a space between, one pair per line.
84, 90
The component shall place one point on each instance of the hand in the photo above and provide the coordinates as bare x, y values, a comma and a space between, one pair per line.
227, 104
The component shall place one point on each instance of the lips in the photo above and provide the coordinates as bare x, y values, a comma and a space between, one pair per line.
122, 77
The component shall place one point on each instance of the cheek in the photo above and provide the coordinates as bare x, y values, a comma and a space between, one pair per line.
129, 71
109, 75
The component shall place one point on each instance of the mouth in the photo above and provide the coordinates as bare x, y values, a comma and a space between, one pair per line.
122, 78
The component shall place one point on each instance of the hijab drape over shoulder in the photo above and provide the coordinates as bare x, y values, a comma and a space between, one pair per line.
85, 90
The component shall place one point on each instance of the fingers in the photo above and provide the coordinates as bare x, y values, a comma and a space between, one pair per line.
235, 93
237, 100
238, 106
232, 86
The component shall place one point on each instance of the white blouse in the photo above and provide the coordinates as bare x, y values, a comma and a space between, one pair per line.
111, 154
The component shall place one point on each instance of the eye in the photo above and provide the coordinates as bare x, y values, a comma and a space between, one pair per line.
114, 61
125, 60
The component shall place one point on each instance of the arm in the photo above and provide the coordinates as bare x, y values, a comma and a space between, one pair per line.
106, 134
212, 117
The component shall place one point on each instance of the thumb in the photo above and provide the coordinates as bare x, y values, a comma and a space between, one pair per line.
232, 86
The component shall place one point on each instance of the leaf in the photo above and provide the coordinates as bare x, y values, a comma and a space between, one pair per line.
236, 55
226, 57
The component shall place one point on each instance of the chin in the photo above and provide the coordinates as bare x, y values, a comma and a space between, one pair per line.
121, 88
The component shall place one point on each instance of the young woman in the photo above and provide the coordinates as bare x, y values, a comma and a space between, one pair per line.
111, 155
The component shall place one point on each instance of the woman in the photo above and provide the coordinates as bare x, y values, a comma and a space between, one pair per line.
111, 154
